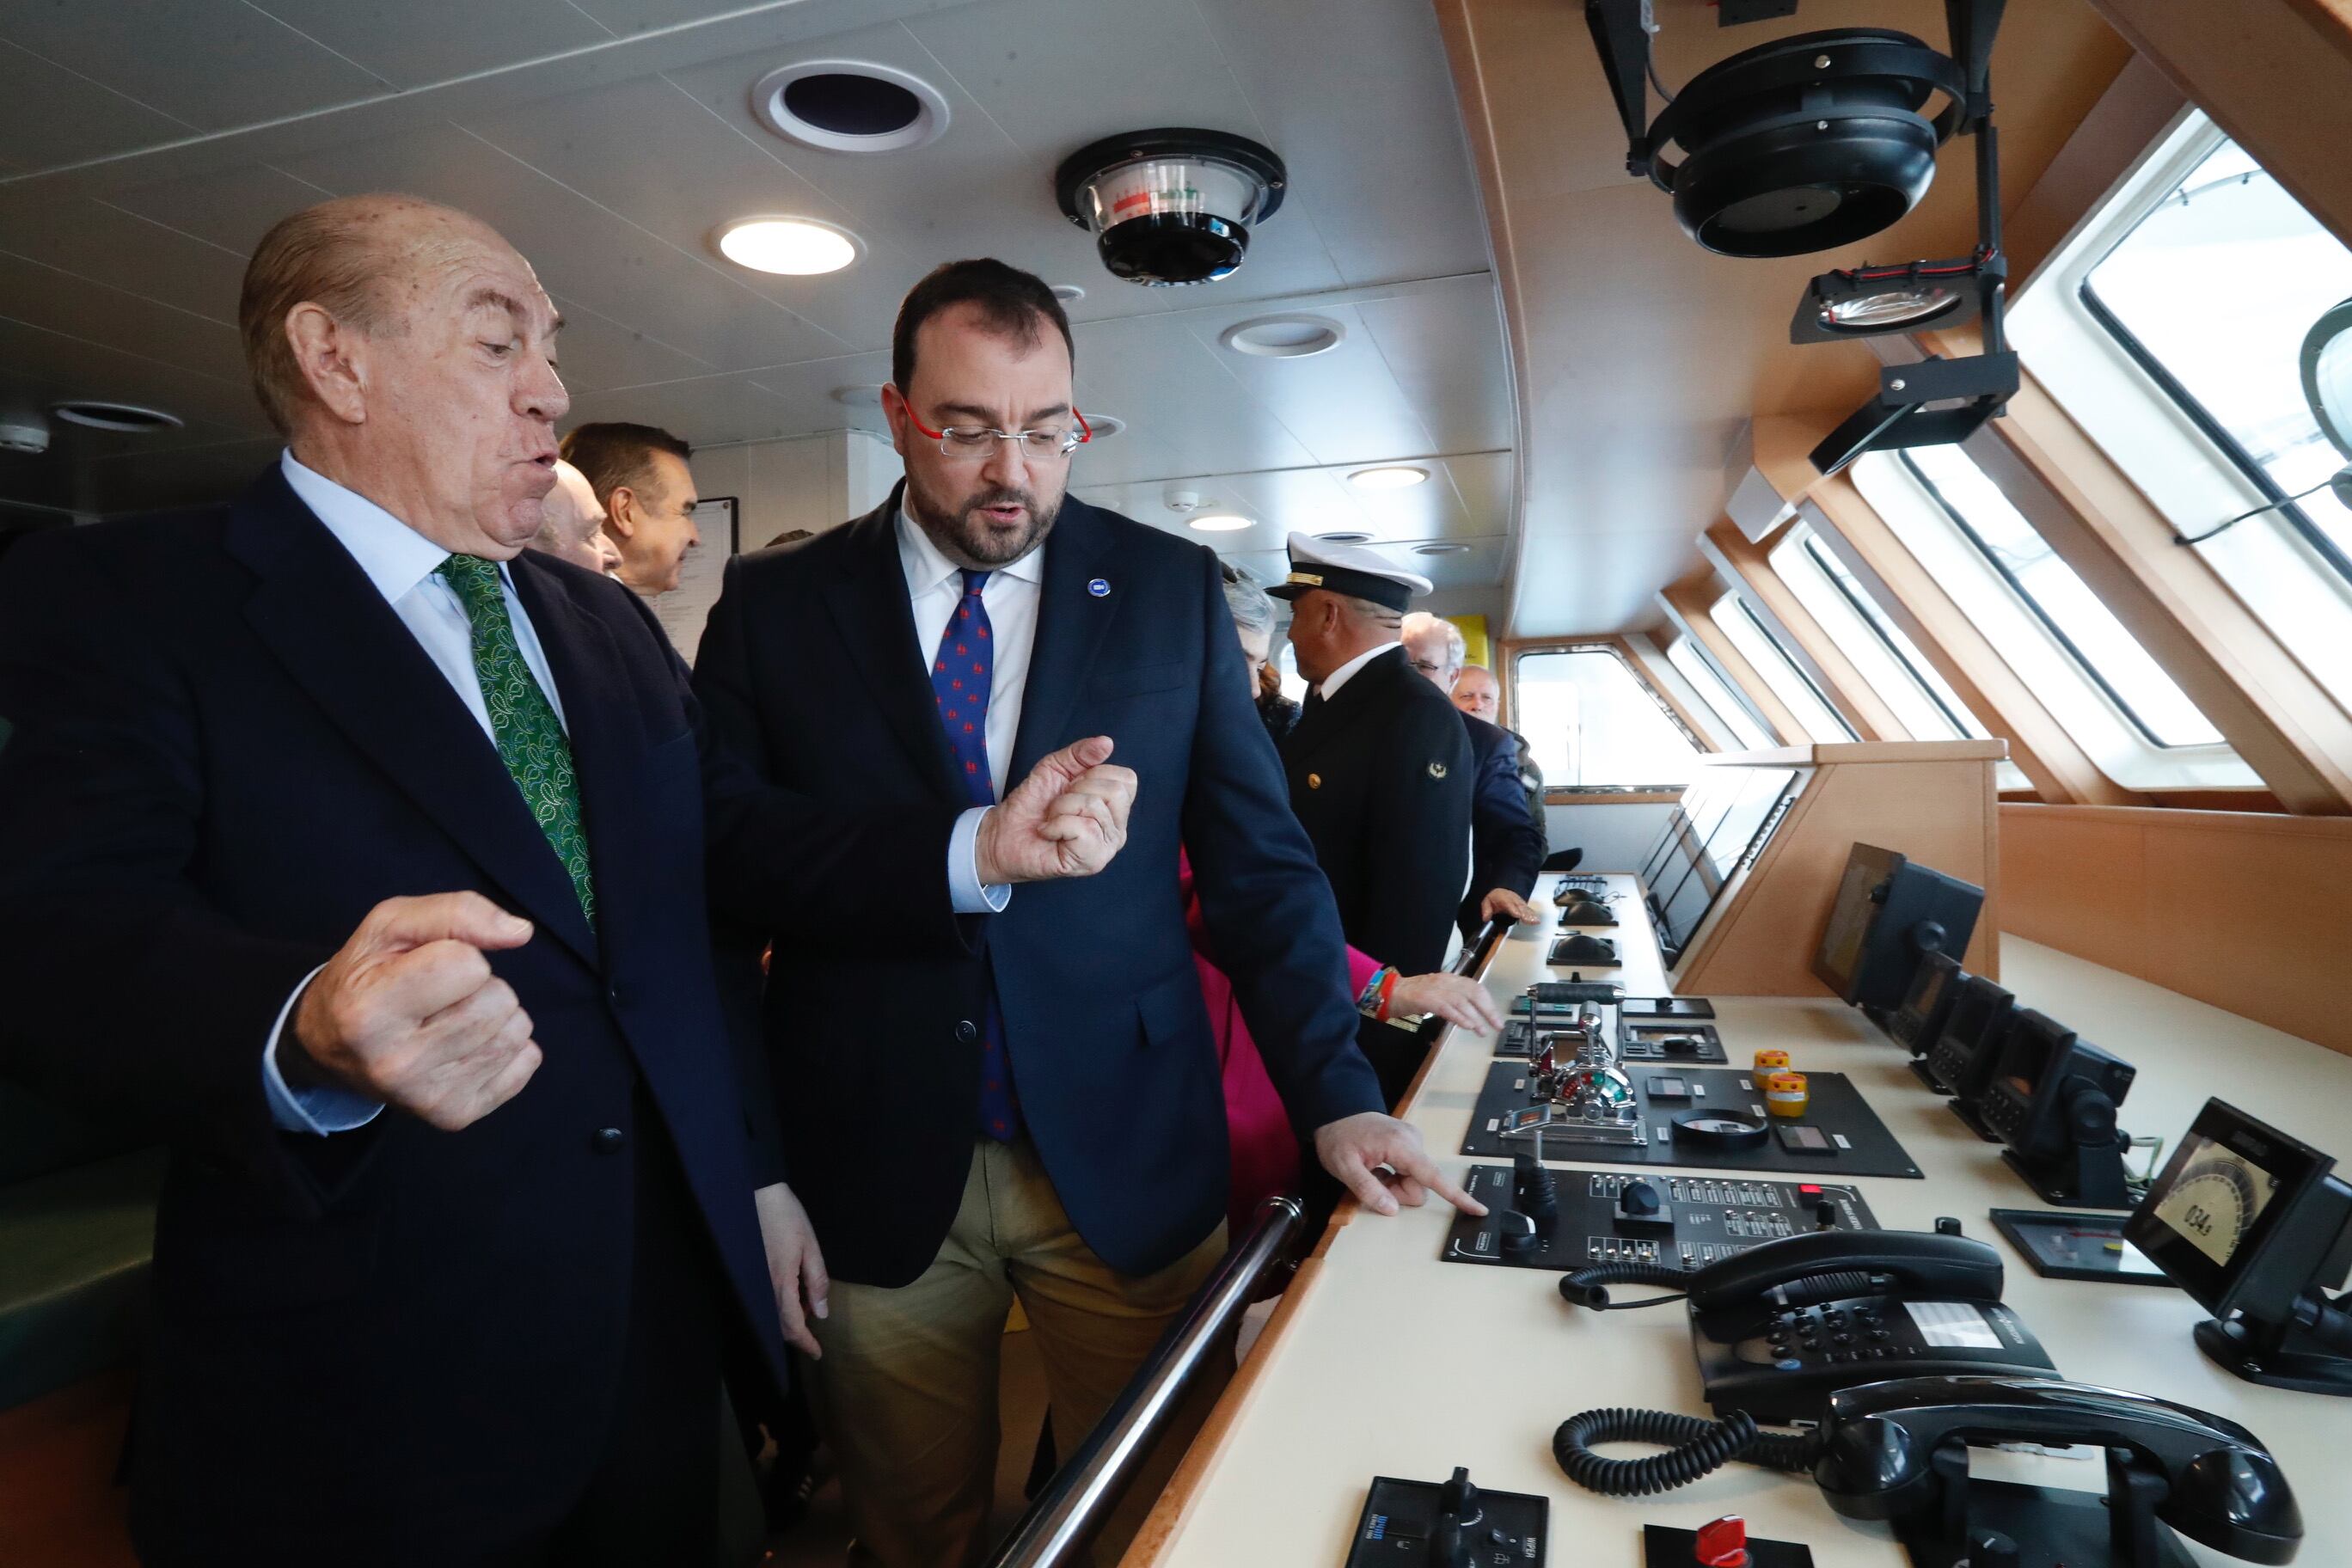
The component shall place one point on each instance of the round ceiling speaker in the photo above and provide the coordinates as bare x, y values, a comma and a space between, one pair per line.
1806, 143
1170, 206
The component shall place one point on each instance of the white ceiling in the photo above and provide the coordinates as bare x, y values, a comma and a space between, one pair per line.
146, 144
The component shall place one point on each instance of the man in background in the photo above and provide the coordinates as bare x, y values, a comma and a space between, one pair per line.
572, 522
1506, 841
1478, 694
640, 477
1380, 772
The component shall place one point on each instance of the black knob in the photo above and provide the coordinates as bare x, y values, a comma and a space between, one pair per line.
1639, 1197
2090, 1116
607, 1140
1826, 1215
1458, 1498
1990, 1549
1947, 1225
1517, 1231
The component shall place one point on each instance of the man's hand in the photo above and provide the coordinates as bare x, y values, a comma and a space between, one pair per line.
1354, 1148
796, 1266
1068, 818
1456, 998
408, 1011
1503, 902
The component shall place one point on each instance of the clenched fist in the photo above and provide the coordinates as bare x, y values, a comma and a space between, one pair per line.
1068, 818
408, 1011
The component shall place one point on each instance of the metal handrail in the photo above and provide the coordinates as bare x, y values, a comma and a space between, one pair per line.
1072, 1506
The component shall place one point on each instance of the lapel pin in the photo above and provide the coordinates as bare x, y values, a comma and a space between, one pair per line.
1100, 588
1437, 770
1314, 781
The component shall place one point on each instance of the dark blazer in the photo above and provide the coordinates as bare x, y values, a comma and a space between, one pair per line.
1507, 843
810, 669
1380, 776
384, 1344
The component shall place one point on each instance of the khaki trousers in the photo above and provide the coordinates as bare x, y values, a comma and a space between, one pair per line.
905, 1392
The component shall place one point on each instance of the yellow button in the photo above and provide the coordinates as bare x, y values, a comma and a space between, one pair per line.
1314, 781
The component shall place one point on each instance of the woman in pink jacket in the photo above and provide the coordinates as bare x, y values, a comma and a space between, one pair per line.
1264, 1151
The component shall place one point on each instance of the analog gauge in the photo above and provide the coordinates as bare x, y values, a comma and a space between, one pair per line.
2215, 1202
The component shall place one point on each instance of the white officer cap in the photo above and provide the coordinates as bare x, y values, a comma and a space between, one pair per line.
1349, 569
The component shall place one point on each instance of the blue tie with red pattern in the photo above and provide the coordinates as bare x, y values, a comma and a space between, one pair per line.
962, 674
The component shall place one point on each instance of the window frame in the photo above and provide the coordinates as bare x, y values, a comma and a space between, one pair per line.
2191, 474
2083, 663
1516, 712
1738, 599
1916, 516
1745, 714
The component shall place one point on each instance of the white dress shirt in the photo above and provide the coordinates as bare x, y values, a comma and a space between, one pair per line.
1346, 672
935, 586
404, 566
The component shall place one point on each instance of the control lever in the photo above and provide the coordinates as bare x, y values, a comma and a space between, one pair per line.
1458, 1511
1531, 1186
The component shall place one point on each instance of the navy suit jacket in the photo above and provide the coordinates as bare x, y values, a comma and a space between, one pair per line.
810, 670
226, 749
1507, 843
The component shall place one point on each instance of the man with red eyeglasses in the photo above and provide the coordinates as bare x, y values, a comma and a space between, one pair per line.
1039, 1117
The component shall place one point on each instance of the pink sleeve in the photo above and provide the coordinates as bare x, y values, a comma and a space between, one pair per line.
1361, 966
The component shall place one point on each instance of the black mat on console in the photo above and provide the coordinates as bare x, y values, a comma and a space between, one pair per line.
1836, 1108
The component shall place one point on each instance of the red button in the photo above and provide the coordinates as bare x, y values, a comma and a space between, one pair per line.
1724, 1543
1809, 1190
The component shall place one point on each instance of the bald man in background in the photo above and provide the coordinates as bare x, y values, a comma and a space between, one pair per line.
360, 855
572, 523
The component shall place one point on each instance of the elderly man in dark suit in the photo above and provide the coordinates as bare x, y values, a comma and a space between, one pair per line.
1507, 837
1042, 1118
360, 855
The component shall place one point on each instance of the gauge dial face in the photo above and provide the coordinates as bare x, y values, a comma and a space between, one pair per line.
2215, 1202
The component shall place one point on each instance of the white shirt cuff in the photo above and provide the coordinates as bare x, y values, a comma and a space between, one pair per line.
965, 894
316, 1111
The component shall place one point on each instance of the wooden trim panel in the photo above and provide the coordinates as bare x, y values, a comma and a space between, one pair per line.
1691, 600
2241, 910
1750, 561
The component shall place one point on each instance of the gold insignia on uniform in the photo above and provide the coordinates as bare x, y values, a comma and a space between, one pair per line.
1437, 770
1314, 781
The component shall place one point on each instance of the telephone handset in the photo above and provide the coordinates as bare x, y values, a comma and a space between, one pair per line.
1897, 1451
1780, 1327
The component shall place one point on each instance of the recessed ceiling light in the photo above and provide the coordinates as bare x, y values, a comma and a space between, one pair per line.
1345, 536
794, 246
128, 417
1392, 476
1217, 522
858, 396
850, 106
1284, 337
1441, 550
1068, 293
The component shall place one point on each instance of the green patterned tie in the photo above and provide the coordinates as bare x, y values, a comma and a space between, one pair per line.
523, 724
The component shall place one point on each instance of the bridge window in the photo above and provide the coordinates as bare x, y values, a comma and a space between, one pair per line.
2171, 329
1726, 707
1591, 723
1797, 692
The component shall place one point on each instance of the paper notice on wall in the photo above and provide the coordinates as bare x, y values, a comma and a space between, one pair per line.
684, 608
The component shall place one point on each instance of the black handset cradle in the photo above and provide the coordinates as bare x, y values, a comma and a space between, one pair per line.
1897, 1451
1780, 1327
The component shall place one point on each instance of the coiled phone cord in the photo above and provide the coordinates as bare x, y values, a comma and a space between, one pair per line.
1695, 1448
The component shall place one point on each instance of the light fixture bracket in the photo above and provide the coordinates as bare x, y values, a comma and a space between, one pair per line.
1932, 402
